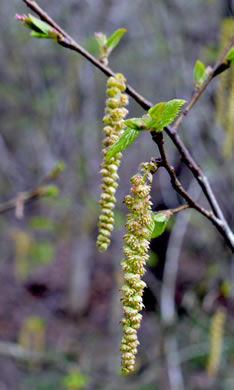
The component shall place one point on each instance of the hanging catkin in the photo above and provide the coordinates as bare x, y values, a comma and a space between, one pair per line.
136, 246
114, 121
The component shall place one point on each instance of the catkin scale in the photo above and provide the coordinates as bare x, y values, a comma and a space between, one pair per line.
135, 251
114, 121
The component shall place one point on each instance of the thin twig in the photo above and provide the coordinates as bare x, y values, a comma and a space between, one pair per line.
24, 197
218, 220
158, 138
16, 351
21, 198
218, 223
179, 209
219, 67
175, 210
69, 42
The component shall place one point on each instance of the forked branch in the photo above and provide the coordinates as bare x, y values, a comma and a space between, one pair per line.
216, 217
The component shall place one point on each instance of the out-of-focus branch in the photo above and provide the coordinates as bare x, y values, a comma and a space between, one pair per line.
16, 351
175, 375
217, 219
167, 299
43, 190
167, 306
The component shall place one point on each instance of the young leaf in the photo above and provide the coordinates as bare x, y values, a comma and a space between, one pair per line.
198, 71
40, 25
39, 28
35, 34
156, 111
170, 112
160, 223
230, 56
113, 41
122, 143
101, 39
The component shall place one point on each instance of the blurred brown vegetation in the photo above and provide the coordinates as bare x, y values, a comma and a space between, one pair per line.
60, 302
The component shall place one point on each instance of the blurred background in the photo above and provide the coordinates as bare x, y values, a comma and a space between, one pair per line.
60, 301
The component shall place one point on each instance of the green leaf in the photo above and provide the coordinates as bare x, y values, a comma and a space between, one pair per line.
170, 112
122, 143
160, 222
230, 56
30, 25
156, 111
42, 26
101, 39
35, 34
113, 41
198, 71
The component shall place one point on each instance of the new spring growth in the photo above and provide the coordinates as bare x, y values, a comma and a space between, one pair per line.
137, 240
114, 121
107, 45
39, 28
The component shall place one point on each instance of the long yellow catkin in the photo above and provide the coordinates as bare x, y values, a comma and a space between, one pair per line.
135, 250
216, 341
114, 121
225, 91
229, 139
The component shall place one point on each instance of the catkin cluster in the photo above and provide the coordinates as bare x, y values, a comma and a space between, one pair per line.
136, 246
114, 121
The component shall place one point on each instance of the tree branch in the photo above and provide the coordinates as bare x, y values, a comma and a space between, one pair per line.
42, 190
68, 42
179, 209
218, 219
176, 210
218, 223
219, 67
158, 139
